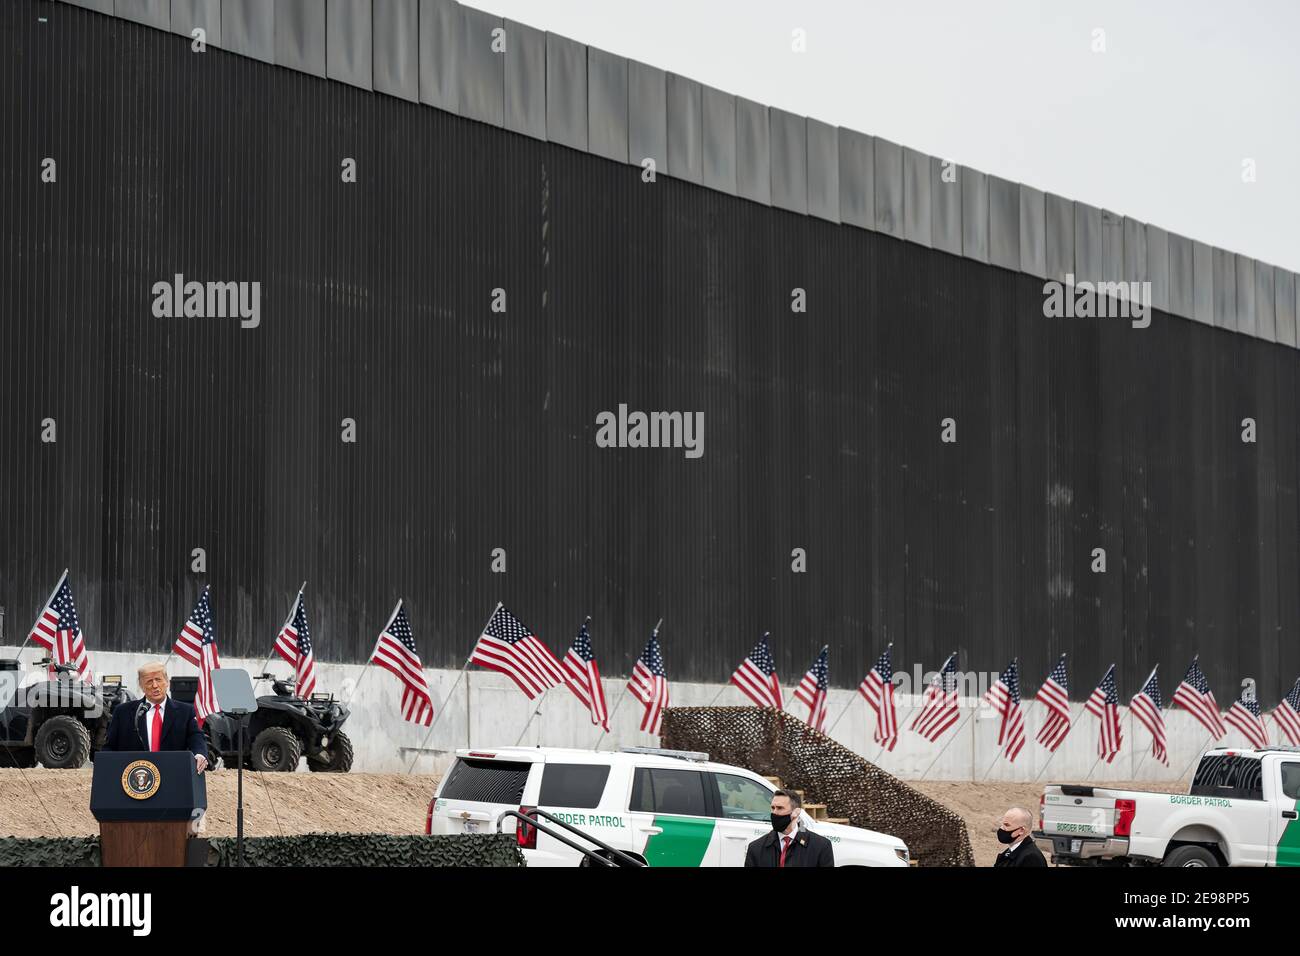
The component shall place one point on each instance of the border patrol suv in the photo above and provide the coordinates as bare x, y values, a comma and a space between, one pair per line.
667, 808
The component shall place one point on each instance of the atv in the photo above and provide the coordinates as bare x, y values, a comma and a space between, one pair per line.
57, 723
282, 730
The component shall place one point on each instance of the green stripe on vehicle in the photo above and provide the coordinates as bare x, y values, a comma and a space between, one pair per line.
683, 842
1288, 848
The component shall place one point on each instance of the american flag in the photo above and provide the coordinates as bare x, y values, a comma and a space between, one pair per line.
813, 690
756, 676
1104, 705
1055, 696
507, 646
1146, 707
293, 643
197, 643
940, 706
878, 689
1004, 697
649, 684
1194, 695
58, 631
395, 652
1287, 714
1244, 715
583, 677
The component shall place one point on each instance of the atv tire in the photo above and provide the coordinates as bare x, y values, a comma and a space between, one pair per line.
62, 743
276, 750
340, 756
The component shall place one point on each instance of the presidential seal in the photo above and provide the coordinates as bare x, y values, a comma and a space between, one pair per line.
140, 780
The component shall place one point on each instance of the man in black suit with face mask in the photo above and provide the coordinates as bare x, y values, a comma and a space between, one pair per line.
1021, 850
787, 844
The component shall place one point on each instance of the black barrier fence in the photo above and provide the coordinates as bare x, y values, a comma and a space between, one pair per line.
132, 439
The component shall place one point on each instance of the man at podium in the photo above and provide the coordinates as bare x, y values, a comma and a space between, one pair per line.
157, 722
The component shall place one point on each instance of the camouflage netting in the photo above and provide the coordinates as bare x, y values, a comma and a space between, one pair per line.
49, 851
776, 744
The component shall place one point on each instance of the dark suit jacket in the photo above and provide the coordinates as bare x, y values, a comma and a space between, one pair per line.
807, 849
180, 730
1027, 854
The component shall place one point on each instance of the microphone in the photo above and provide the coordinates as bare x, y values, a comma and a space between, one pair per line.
138, 711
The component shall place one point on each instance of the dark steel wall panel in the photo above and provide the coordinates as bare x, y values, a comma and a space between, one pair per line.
719, 128
566, 91
248, 28
395, 57
440, 38
889, 187
685, 129
349, 42
1004, 223
176, 434
753, 152
647, 115
152, 13
300, 35
190, 14
823, 170
525, 84
607, 104
481, 69
916, 197
789, 160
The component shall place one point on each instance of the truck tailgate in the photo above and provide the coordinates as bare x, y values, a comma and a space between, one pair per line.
1086, 815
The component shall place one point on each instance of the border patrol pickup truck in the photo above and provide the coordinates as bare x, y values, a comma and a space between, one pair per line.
1240, 811
666, 808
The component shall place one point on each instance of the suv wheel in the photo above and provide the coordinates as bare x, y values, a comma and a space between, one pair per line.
62, 743
1190, 856
276, 750
340, 756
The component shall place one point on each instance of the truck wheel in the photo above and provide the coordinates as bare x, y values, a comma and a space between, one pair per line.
62, 743
340, 760
276, 750
1190, 856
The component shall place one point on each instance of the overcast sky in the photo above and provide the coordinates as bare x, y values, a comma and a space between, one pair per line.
1156, 127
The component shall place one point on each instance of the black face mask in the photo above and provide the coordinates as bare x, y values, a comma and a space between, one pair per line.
1004, 836
780, 822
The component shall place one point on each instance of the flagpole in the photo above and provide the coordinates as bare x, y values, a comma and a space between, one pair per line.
59, 584
292, 608
365, 670
1197, 756
438, 716
1039, 776
654, 633
837, 720
955, 732
881, 752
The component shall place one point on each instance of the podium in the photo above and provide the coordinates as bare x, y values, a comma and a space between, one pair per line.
145, 803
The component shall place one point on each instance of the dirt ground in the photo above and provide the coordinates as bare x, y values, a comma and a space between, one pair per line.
981, 805
57, 803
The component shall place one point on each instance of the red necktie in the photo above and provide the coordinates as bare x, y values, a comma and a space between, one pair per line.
155, 732
785, 845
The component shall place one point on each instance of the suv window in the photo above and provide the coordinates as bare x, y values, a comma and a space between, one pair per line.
573, 785
1229, 775
655, 790
486, 781
743, 799
1291, 780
